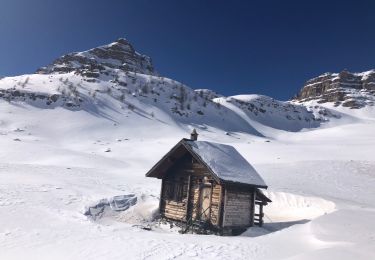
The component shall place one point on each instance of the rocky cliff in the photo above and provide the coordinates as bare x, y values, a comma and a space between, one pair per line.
117, 55
354, 90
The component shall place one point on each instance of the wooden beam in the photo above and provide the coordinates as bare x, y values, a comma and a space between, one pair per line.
210, 210
252, 208
188, 197
221, 206
224, 206
261, 214
161, 196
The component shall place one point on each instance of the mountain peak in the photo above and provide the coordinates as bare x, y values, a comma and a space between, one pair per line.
123, 41
116, 55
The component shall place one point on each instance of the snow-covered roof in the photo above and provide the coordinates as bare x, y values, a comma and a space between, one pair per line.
226, 162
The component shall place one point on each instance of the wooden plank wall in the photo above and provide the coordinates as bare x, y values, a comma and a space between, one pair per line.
173, 209
238, 208
198, 173
215, 198
194, 196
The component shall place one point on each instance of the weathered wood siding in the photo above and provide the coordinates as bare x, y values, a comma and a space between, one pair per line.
238, 208
175, 209
191, 174
195, 197
198, 173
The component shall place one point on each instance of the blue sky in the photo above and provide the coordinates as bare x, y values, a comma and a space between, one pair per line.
233, 47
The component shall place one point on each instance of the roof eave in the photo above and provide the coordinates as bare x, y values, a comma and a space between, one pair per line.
244, 183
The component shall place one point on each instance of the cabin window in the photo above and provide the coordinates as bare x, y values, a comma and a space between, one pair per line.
174, 191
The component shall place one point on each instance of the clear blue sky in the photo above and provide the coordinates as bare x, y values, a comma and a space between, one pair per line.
233, 47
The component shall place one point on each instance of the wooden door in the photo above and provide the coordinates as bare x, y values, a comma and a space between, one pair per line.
205, 202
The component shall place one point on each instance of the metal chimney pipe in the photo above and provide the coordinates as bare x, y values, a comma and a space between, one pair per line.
194, 135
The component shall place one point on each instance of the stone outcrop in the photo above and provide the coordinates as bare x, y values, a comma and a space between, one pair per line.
354, 90
117, 55
52, 100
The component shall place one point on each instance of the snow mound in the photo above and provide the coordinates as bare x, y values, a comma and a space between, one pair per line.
144, 212
287, 210
129, 209
292, 207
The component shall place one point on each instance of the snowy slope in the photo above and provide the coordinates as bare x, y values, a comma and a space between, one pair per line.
277, 114
161, 99
324, 200
156, 98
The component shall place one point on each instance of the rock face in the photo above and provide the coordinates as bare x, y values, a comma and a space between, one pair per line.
117, 55
354, 90
207, 93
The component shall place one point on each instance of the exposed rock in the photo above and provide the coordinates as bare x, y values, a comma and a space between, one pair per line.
117, 55
207, 93
51, 100
354, 90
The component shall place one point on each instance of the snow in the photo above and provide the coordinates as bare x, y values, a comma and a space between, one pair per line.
320, 173
299, 207
321, 183
226, 162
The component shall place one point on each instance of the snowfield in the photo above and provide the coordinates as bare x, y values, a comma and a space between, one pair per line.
55, 163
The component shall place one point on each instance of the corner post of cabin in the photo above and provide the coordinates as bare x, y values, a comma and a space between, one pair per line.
210, 210
223, 202
188, 199
161, 197
252, 207
261, 214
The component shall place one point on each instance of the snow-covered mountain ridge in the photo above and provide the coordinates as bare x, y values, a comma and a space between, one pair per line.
277, 114
116, 76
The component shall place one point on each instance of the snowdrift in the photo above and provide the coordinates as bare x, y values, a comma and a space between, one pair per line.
292, 207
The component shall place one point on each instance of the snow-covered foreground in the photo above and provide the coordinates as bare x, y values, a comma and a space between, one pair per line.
54, 163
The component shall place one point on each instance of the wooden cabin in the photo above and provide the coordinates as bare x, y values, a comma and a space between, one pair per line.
209, 186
